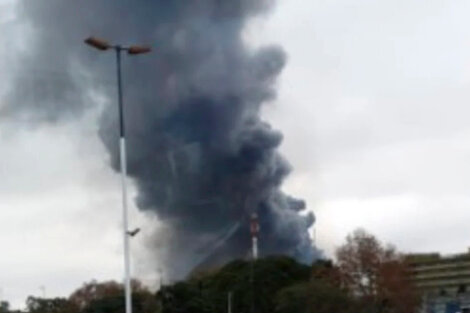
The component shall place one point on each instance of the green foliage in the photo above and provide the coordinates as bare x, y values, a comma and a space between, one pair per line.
4, 307
209, 293
141, 303
109, 304
94, 297
108, 297
314, 297
293, 299
54, 305
270, 285
184, 297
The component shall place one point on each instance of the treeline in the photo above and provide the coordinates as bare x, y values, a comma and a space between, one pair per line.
367, 277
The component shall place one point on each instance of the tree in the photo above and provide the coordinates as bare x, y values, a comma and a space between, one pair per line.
108, 297
314, 297
208, 293
327, 272
54, 305
93, 290
4, 307
322, 294
293, 299
376, 274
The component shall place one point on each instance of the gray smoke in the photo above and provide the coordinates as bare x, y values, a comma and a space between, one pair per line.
200, 155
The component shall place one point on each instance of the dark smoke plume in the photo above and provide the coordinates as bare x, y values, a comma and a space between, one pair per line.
200, 155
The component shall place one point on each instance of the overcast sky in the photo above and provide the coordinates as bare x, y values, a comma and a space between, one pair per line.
374, 106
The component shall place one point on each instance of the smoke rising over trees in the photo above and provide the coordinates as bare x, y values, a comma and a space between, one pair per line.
199, 153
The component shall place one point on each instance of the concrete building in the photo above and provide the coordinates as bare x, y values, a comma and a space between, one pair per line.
444, 281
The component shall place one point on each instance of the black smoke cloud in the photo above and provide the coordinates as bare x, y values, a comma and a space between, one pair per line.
200, 155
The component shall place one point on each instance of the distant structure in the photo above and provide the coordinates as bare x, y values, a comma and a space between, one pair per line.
444, 281
254, 229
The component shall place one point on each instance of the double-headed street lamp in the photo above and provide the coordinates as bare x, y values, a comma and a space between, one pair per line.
131, 50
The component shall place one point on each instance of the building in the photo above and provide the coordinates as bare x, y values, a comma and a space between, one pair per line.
444, 281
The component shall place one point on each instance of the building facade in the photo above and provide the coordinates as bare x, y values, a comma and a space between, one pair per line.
444, 281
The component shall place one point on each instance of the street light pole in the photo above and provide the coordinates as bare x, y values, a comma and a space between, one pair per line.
122, 156
132, 50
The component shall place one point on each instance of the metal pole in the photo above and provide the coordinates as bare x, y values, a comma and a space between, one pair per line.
229, 302
122, 154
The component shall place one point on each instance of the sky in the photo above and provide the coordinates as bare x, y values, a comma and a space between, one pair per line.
373, 105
